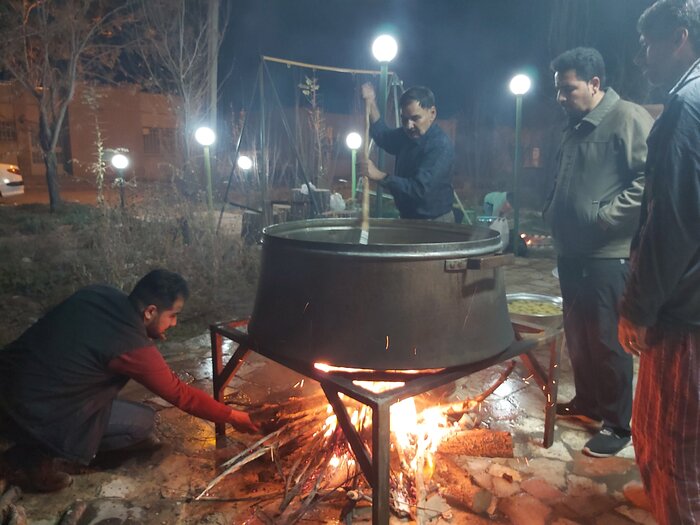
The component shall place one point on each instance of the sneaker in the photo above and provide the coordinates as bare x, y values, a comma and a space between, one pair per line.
605, 443
571, 411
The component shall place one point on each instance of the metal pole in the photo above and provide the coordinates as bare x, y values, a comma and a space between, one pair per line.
516, 174
262, 169
383, 78
207, 170
354, 177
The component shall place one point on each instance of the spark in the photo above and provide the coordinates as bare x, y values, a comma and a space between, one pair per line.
306, 306
387, 343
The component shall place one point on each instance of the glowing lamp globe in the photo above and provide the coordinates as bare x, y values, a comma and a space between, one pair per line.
120, 161
520, 84
205, 136
384, 48
244, 162
353, 141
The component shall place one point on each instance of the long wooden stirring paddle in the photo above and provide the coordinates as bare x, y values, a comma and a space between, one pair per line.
364, 228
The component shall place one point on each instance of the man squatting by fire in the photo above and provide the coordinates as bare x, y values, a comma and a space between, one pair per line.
59, 380
422, 180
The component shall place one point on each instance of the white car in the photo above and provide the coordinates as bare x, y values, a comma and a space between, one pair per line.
11, 182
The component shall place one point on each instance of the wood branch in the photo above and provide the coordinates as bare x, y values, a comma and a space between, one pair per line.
479, 442
459, 490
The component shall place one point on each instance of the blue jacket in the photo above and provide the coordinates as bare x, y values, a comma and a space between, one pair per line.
422, 180
664, 282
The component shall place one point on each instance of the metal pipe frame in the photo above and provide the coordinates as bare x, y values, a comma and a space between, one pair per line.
375, 463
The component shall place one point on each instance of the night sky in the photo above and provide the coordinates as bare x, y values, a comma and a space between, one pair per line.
460, 48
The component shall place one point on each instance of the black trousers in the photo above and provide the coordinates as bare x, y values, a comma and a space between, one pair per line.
591, 289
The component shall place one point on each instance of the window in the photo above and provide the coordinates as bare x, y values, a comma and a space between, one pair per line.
8, 131
158, 141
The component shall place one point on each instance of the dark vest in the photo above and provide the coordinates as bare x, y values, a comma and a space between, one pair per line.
54, 379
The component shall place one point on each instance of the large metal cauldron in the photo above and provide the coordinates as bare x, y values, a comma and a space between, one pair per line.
421, 294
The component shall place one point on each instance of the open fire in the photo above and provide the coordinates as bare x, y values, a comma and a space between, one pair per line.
325, 465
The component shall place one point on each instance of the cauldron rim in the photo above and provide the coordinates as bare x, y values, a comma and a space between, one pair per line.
453, 240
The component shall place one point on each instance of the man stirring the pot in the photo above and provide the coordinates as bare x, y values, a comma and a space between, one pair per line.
422, 180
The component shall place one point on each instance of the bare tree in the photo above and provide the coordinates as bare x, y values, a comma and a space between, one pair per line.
174, 40
48, 46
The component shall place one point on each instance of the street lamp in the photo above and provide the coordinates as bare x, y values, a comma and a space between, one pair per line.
519, 85
244, 162
384, 49
206, 137
353, 141
120, 162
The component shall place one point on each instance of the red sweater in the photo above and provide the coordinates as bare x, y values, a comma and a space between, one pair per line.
147, 367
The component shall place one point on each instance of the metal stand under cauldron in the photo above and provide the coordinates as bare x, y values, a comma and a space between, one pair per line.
375, 464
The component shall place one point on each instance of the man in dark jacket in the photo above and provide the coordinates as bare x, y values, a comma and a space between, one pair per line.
592, 212
660, 310
59, 381
422, 180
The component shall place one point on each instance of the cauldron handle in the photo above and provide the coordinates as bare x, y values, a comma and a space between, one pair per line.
487, 262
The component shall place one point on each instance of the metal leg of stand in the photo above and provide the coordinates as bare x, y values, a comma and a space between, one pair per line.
552, 389
380, 461
217, 363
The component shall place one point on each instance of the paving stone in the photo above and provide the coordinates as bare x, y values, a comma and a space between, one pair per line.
524, 509
505, 472
542, 490
550, 470
588, 506
556, 451
575, 439
611, 518
636, 515
634, 493
580, 486
599, 467
120, 487
503, 488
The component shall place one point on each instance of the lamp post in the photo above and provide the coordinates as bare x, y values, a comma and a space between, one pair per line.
353, 141
519, 85
384, 49
206, 137
120, 162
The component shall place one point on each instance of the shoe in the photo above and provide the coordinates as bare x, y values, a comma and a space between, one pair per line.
45, 477
606, 443
149, 444
571, 411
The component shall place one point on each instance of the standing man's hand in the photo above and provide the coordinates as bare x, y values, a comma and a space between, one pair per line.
241, 421
370, 98
366, 168
632, 337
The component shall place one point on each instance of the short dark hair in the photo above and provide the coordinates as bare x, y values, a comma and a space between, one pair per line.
159, 287
420, 94
586, 61
665, 16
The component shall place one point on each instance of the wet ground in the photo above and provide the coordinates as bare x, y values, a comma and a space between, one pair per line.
557, 485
